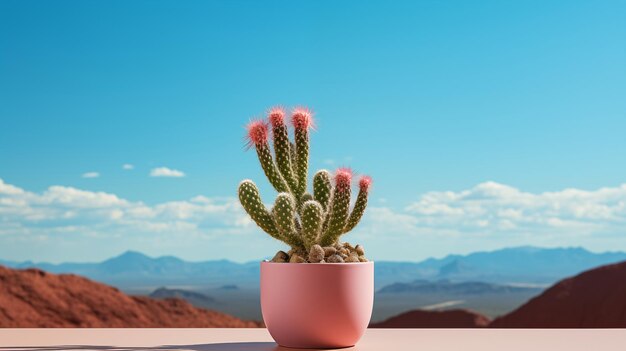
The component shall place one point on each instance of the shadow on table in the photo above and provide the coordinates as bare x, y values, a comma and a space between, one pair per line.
234, 346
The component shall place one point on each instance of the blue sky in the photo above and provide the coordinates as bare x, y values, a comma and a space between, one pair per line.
431, 96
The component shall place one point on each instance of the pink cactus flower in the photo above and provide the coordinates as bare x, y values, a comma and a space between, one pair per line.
343, 178
365, 182
302, 118
276, 116
257, 133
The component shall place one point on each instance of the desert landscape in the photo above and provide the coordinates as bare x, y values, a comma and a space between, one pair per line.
32, 297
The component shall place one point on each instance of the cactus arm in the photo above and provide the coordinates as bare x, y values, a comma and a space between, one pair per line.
359, 206
282, 148
270, 169
338, 216
302, 121
257, 137
322, 187
339, 208
284, 213
357, 211
312, 218
302, 152
251, 202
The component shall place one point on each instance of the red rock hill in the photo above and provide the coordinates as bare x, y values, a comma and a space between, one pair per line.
434, 319
592, 299
34, 298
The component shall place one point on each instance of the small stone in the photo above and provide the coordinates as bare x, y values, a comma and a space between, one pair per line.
281, 257
295, 258
329, 251
363, 259
335, 259
359, 250
316, 254
344, 251
348, 246
352, 259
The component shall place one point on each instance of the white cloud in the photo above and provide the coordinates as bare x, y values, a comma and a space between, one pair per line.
491, 216
127, 166
8, 189
494, 207
166, 172
487, 216
59, 207
68, 224
91, 175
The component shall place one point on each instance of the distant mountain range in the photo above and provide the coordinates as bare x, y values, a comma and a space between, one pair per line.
132, 269
451, 288
518, 265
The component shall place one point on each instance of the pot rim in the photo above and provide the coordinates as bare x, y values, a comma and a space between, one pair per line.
321, 264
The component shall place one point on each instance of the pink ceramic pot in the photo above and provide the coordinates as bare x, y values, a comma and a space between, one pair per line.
317, 305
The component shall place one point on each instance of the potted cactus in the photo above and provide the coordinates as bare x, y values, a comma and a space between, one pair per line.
319, 293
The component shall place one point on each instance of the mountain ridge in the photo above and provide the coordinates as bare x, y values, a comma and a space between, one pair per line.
592, 299
595, 298
524, 264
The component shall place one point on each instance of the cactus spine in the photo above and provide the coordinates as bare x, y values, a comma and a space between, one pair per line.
310, 223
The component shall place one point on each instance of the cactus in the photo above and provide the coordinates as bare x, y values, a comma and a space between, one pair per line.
310, 223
